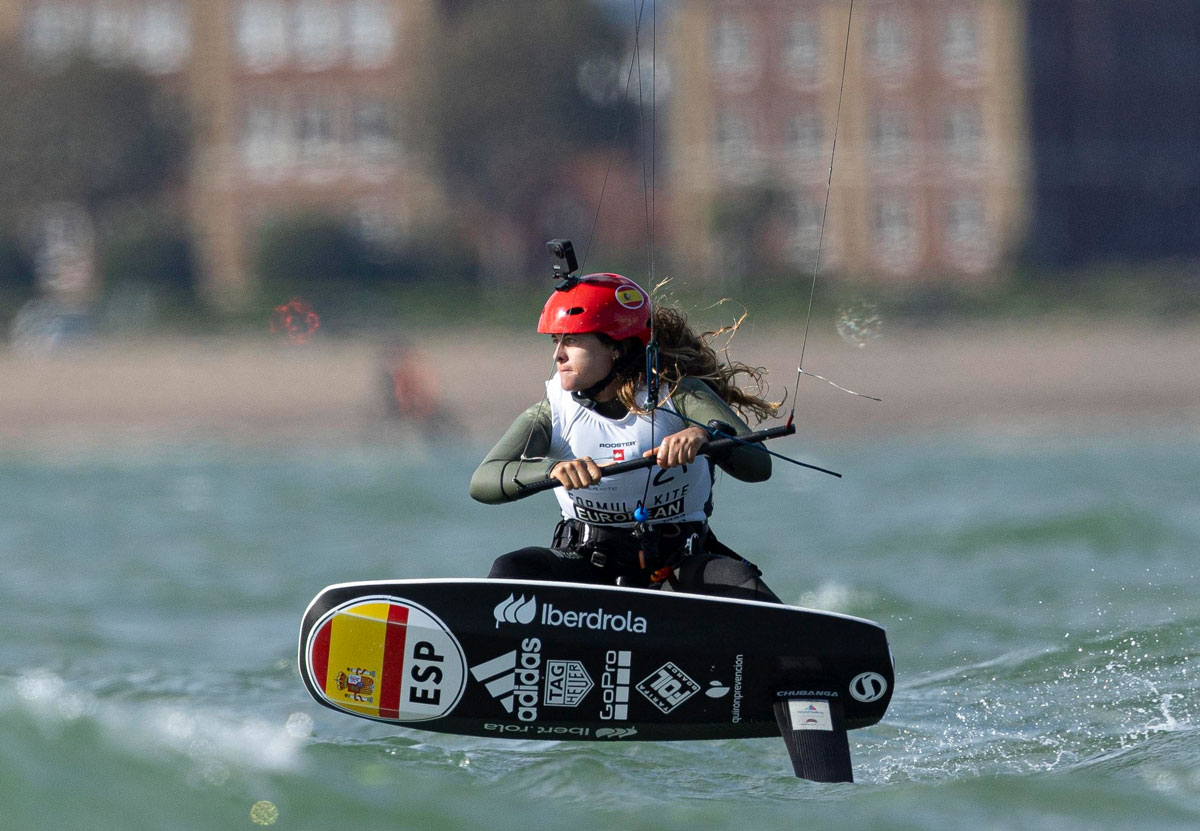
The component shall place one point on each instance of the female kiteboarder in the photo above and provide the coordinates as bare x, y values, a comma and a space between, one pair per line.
640, 528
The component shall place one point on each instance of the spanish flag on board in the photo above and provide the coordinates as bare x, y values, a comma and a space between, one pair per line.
386, 658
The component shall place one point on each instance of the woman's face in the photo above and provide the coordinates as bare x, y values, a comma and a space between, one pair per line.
582, 360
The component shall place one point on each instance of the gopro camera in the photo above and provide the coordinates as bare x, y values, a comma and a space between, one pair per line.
565, 264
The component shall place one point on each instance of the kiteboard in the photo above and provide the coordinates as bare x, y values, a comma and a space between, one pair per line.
517, 659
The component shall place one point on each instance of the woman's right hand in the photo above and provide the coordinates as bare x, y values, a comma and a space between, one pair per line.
577, 473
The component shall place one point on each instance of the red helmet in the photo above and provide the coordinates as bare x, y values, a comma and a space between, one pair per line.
605, 303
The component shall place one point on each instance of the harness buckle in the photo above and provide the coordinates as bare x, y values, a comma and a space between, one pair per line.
648, 548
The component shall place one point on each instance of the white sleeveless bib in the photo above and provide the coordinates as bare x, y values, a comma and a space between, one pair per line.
675, 495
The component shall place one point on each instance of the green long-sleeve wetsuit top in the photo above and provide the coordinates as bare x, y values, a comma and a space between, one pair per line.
529, 438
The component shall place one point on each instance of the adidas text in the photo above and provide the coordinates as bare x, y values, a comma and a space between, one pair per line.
528, 676
514, 679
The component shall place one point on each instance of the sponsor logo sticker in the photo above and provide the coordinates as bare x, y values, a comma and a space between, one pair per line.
716, 689
524, 610
515, 610
667, 687
386, 658
614, 685
735, 714
567, 682
538, 729
598, 619
810, 715
615, 732
514, 679
867, 687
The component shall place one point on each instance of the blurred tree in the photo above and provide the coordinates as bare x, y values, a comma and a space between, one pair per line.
105, 138
321, 255
85, 133
16, 268
515, 90
304, 250
747, 224
151, 252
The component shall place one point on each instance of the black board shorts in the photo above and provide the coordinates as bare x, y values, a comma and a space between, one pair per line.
716, 571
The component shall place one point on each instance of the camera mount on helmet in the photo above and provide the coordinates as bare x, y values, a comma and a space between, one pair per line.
565, 264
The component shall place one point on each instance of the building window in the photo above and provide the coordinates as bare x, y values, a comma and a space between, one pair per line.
803, 59
806, 137
894, 232
262, 34
318, 34
370, 33
890, 46
967, 240
55, 28
960, 45
732, 57
164, 37
802, 219
154, 34
963, 135
893, 224
111, 26
735, 144
317, 130
965, 221
891, 138
374, 134
266, 138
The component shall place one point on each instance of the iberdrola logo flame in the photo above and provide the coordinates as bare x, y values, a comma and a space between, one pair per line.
515, 610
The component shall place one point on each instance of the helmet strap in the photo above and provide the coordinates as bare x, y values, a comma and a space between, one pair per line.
587, 398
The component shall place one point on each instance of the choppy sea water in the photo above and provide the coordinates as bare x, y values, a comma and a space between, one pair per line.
1040, 595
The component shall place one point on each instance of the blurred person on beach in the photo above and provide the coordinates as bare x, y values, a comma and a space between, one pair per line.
639, 528
411, 387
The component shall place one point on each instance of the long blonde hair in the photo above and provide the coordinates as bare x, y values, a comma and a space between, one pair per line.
682, 353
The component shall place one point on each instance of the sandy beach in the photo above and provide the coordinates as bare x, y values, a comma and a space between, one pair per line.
1030, 377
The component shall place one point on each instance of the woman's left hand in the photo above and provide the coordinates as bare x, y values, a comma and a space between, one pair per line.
679, 448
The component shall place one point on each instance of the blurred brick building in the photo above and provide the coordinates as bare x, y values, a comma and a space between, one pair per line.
931, 177
305, 103
295, 103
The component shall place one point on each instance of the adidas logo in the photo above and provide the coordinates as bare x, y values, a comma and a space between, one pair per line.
514, 679
515, 610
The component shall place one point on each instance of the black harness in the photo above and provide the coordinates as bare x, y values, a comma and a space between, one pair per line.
631, 550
